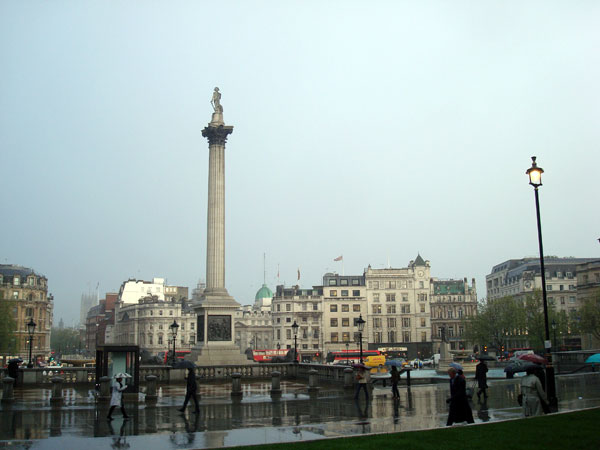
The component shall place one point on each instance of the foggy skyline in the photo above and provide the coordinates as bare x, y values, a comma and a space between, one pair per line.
373, 131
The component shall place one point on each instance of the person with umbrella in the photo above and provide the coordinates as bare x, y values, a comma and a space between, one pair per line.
362, 379
533, 393
13, 369
116, 398
460, 411
190, 390
395, 379
481, 377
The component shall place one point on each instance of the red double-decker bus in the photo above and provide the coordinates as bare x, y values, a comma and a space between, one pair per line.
267, 355
349, 356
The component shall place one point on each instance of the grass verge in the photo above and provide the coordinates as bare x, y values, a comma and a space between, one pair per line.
574, 431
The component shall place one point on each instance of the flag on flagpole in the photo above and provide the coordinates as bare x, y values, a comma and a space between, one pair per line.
298, 273
339, 258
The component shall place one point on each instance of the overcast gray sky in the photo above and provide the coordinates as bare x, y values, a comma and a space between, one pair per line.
375, 130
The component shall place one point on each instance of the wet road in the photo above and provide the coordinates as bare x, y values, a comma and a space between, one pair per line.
257, 418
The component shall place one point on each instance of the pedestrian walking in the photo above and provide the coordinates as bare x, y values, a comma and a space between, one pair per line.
191, 390
13, 370
362, 378
533, 394
116, 398
481, 377
460, 410
395, 380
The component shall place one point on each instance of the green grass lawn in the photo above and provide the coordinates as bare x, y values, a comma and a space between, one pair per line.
571, 431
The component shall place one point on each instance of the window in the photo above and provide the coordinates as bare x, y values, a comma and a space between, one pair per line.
355, 293
391, 336
549, 287
355, 281
344, 293
278, 334
303, 306
390, 297
375, 284
29, 312
378, 337
288, 333
423, 336
315, 306
304, 346
333, 322
160, 312
460, 313
404, 297
391, 322
16, 281
346, 336
31, 281
571, 299
304, 333
391, 309
449, 313
160, 326
192, 325
390, 285
305, 319
562, 287
421, 285
356, 337
377, 322
405, 309
288, 307
333, 308
170, 312
356, 308
562, 300
572, 286
333, 293
288, 320
375, 297
332, 282
160, 339
15, 295
345, 322
345, 308
278, 307
376, 309
423, 322
422, 307
343, 282
334, 337
406, 336
406, 322
450, 331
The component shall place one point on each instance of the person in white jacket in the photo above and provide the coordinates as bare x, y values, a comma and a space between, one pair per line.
116, 399
533, 394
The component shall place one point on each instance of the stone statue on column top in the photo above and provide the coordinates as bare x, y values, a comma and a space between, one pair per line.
216, 101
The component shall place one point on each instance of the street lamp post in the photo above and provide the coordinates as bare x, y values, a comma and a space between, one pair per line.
30, 329
361, 326
535, 179
295, 329
174, 327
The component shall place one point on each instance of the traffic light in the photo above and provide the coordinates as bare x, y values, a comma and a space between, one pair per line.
485, 348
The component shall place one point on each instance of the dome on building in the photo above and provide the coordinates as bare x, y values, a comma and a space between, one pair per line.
263, 292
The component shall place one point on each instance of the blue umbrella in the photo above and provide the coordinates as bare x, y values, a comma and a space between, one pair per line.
593, 359
457, 366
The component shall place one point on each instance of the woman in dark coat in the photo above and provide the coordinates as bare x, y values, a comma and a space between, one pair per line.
460, 410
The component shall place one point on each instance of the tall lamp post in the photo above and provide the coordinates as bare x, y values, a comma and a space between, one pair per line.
30, 329
361, 326
174, 327
295, 329
535, 179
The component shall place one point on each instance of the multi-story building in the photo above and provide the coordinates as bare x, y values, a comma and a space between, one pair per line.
254, 324
132, 290
87, 301
99, 322
344, 301
452, 301
398, 305
147, 324
304, 307
588, 285
27, 294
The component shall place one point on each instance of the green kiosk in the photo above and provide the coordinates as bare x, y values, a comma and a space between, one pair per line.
112, 359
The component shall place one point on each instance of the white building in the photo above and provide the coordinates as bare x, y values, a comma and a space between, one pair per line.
132, 290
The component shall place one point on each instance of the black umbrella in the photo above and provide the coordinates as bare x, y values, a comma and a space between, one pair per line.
521, 366
17, 360
486, 358
185, 364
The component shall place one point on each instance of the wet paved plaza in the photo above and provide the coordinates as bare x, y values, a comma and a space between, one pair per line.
31, 422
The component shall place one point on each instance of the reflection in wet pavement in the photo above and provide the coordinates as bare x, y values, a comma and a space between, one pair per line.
256, 418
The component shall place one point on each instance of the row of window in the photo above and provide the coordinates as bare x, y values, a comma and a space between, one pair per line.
561, 287
344, 282
160, 339
345, 308
31, 281
30, 296
391, 309
391, 336
181, 326
344, 293
303, 333
288, 307
392, 322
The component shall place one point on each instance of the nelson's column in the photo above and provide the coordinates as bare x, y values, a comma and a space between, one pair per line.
215, 309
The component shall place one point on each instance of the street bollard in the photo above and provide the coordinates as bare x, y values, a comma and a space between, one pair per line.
151, 388
348, 378
408, 378
8, 395
313, 380
275, 383
236, 385
104, 390
57, 397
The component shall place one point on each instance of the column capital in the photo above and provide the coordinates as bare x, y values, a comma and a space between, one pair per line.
217, 135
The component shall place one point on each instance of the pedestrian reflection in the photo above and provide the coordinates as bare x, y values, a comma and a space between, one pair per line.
362, 413
119, 441
483, 412
396, 407
409, 400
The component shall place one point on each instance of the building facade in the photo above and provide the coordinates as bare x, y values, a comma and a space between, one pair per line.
254, 324
588, 286
399, 308
26, 292
452, 301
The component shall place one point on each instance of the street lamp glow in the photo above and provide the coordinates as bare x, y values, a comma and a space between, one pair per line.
535, 173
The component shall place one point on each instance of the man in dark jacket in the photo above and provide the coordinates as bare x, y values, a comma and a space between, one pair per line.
460, 411
13, 370
190, 390
481, 377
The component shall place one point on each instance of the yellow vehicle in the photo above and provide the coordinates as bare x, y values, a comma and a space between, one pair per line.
374, 362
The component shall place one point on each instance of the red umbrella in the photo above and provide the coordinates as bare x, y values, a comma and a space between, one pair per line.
533, 358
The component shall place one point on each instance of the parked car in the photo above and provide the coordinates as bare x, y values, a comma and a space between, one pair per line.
428, 362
